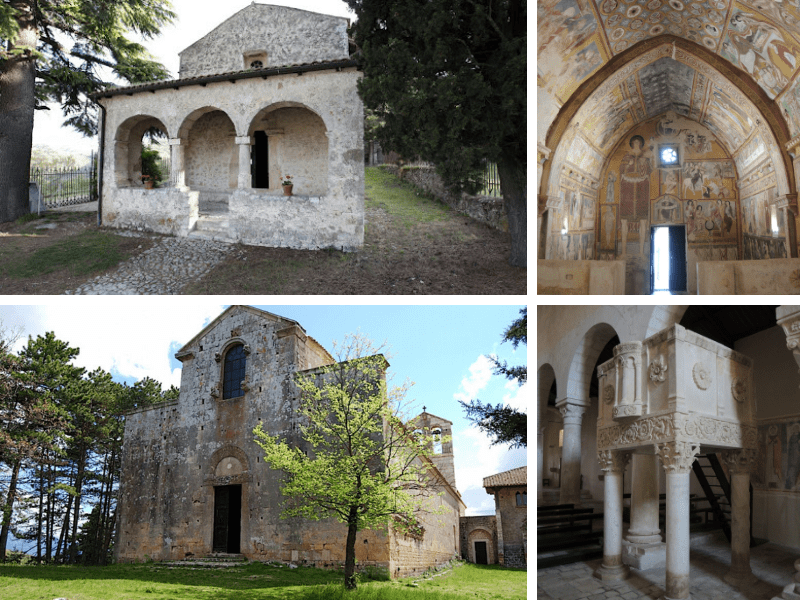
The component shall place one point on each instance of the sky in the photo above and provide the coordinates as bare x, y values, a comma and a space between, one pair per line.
195, 18
442, 349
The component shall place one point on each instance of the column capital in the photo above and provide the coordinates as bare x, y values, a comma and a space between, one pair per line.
739, 461
613, 461
542, 153
677, 457
788, 201
243, 139
571, 410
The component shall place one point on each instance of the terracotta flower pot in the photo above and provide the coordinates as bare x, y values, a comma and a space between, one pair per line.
148, 184
287, 190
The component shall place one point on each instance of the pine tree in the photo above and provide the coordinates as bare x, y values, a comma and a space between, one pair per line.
448, 79
36, 66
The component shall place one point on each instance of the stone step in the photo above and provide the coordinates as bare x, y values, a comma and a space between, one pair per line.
212, 223
216, 236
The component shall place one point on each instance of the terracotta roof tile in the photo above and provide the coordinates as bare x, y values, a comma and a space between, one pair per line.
513, 477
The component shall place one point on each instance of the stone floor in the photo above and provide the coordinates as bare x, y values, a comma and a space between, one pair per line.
710, 558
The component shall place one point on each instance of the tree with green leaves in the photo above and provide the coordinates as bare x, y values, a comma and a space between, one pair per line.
507, 425
358, 459
448, 79
37, 66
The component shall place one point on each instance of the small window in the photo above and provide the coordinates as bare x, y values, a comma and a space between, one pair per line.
437, 441
256, 64
522, 499
233, 373
668, 155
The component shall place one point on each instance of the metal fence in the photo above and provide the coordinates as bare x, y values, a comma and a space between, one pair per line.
67, 186
491, 181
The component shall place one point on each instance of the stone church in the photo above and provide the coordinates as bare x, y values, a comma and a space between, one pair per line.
672, 422
269, 94
193, 480
667, 146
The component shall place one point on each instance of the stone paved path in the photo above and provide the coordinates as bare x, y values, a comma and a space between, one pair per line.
166, 268
710, 560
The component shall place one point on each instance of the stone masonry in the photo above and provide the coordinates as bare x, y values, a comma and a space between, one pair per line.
191, 468
270, 93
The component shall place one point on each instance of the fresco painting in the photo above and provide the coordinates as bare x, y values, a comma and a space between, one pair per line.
608, 227
708, 179
587, 215
762, 49
667, 209
790, 106
708, 220
566, 56
635, 170
778, 466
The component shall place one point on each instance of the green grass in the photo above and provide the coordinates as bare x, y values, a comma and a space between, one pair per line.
87, 253
401, 199
253, 581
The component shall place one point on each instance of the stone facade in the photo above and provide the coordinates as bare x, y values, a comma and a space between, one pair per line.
479, 529
275, 35
179, 457
233, 138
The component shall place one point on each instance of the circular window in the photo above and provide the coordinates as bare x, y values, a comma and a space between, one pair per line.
256, 64
669, 156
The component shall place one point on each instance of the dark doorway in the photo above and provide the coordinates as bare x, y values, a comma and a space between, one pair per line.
260, 160
227, 518
668, 259
480, 553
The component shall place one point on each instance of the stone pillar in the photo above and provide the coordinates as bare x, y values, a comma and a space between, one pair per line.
540, 464
739, 463
245, 180
677, 458
642, 547
572, 411
788, 204
177, 167
612, 463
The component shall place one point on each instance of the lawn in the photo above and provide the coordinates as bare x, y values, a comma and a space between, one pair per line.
252, 581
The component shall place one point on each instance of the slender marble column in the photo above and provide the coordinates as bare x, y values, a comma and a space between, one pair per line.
739, 462
612, 463
644, 500
572, 412
677, 458
245, 176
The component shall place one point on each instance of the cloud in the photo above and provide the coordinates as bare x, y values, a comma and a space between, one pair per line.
480, 372
130, 340
476, 458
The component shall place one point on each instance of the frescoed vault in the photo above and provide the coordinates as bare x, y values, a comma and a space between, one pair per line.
719, 77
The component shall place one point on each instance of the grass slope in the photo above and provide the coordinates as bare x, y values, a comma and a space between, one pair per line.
253, 581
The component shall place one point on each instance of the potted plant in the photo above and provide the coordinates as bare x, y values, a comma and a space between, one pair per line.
286, 182
151, 171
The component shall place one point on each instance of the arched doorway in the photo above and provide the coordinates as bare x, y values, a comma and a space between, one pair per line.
131, 138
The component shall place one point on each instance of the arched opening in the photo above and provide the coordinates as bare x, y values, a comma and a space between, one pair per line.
481, 547
289, 140
234, 372
212, 158
133, 135
436, 438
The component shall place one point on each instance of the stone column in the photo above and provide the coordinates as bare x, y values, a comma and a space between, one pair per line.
677, 458
540, 464
572, 411
612, 463
642, 547
177, 167
739, 463
788, 204
245, 180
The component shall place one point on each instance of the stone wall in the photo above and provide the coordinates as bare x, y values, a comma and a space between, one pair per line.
286, 35
317, 136
481, 208
580, 276
480, 528
514, 521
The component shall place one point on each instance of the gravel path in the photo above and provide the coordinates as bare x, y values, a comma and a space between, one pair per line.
166, 268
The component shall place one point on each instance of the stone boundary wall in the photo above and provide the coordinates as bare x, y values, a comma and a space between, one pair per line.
481, 208
469, 524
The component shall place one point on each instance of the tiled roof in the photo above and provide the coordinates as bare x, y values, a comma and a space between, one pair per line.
513, 477
231, 76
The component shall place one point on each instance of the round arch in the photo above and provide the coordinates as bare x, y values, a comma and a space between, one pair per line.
545, 378
128, 148
584, 358
772, 123
481, 535
212, 157
290, 140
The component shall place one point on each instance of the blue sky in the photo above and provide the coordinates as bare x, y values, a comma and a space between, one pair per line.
442, 349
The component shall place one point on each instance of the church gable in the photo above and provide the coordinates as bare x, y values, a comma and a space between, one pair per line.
263, 35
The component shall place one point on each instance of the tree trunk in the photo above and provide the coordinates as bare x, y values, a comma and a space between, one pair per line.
73, 548
17, 102
40, 516
513, 186
350, 550
7, 509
